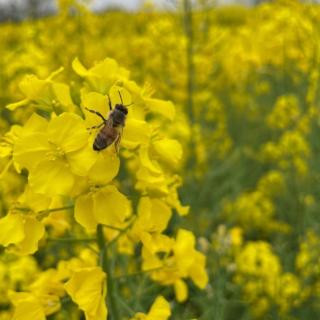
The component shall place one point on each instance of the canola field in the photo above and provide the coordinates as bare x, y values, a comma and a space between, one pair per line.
203, 200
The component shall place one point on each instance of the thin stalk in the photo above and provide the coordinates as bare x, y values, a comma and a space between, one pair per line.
190, 74
188, 26
55, 209
120, 234
105, 263
43, 213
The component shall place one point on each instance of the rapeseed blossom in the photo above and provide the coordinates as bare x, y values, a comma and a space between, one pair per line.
239, 146
64, 173
160, 310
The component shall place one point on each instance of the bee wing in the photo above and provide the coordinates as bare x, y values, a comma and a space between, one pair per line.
118, 140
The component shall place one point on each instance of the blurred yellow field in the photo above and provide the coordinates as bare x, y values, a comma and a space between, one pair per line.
161, 164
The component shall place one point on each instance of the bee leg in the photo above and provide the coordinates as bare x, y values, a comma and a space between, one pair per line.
109, 101
95, 127
97, 113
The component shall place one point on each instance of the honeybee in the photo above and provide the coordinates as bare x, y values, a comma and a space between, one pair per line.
112, 127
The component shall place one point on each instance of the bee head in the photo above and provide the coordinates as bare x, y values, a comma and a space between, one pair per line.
121, 108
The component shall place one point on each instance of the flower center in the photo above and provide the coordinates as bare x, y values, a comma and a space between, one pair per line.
55, 153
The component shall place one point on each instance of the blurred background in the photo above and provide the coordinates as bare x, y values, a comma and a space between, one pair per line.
245, 79
18, 9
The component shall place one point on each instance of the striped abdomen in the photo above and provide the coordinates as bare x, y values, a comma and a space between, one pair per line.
106, 136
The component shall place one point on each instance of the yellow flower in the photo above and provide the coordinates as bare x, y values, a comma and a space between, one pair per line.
153, 217
191, 263
104, 205
44, 94
87, 289
55, 153
285, 113
160, 310
27, 307
101, 76
236, 235
21, 230
181, 260
43, 298
165, 108
168, 150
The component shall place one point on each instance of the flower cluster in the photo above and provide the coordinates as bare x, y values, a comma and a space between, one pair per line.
240, 145
65, 175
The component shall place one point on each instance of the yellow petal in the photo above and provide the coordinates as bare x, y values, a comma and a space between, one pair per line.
94, 101
124, 97
34, 231
150, 260
36, 202
59, 223
154, 213
165, 108
108, 69
87, 288
160, 309
27, 307
181, 290
185, 241
62, 94
68, 132
197, 272
32, 87
35, 123
51, 178
156, 242
30, 142
169, 150
12, 230
30, 149
154, 183
84, 212
110, 206
82, 160
5, 149
78, 67
105, 169
135, 133
147, 162
16, 105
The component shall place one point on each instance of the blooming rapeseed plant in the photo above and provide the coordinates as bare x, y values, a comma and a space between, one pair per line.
240, 145
63, 173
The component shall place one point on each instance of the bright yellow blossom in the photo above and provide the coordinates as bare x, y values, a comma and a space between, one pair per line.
87, 288
160, 310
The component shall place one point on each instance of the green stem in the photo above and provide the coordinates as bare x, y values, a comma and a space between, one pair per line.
120, 234
112, 227
188, 24
190, 73
105, 263
44, 212
54, 210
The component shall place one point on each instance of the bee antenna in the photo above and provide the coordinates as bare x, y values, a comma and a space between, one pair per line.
120, 97
128, 105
